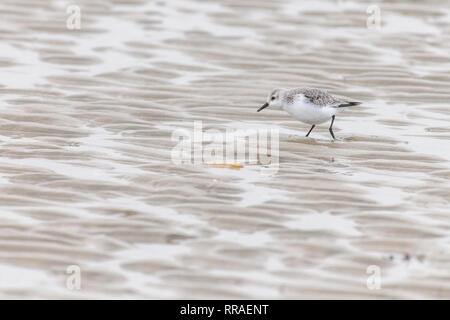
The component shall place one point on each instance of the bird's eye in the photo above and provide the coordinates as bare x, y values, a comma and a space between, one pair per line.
273, 98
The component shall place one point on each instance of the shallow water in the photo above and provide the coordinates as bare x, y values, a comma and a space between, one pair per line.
87, 177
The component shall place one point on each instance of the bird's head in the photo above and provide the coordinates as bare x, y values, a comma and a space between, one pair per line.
274, 100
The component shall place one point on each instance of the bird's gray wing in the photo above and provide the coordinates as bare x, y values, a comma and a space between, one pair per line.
322, 98
319, 97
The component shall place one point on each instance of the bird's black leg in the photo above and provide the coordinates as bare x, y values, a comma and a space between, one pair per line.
331, 127
310, 130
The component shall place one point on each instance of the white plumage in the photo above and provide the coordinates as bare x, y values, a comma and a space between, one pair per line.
305, 111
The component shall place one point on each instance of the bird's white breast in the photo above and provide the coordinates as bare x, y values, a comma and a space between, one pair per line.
305, 111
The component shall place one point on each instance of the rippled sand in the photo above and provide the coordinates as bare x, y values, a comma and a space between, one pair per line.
87, 179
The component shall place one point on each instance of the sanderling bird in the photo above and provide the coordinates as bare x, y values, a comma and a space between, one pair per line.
309, 105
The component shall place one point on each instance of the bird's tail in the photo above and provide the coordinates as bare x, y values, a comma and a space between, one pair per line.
348, 104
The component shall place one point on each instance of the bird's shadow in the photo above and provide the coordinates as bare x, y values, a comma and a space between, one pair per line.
312, 140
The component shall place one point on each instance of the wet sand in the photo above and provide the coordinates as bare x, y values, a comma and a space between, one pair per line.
87, 178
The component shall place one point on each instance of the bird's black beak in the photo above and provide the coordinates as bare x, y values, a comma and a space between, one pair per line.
265, 105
